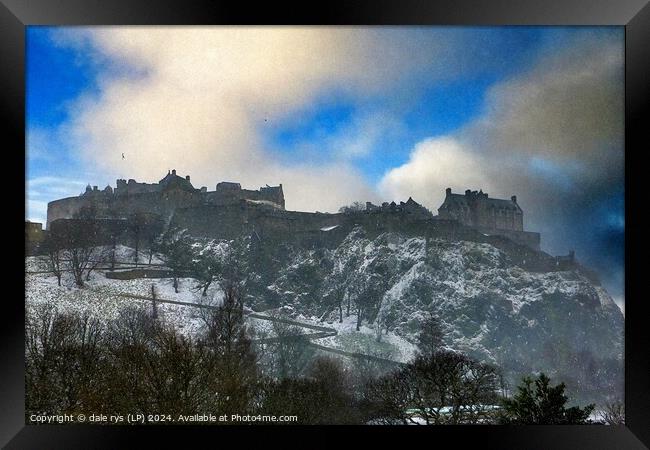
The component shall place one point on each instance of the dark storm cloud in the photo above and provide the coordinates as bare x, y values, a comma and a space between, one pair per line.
554, 137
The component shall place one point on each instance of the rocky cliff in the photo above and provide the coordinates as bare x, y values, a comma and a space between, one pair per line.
560, 322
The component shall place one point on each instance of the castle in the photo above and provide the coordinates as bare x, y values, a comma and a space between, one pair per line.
487, 215
162, 199
229, 211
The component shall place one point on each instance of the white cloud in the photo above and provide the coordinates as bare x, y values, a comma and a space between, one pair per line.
434, 165
567, 109
38, 142
360, 138
41, 190
352, 141
553, 136
195, 99
36, 211
325, 188
558, 123
53, 182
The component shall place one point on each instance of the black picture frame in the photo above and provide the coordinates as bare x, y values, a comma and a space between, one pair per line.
15, 15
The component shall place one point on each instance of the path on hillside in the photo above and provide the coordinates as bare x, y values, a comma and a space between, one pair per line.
322, 332
119, 266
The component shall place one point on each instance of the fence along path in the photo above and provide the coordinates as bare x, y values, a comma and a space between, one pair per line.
322, 332
119, 266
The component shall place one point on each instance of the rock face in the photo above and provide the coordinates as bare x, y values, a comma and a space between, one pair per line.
490, 308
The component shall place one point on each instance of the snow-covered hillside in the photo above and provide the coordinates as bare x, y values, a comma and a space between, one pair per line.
490, 308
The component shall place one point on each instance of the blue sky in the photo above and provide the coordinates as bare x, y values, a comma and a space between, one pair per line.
60, 72
343, 114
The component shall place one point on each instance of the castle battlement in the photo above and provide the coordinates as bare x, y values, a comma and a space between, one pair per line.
477, 209
161, 198
491, 216
230, 210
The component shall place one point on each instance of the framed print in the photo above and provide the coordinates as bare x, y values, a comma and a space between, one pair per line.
377, 218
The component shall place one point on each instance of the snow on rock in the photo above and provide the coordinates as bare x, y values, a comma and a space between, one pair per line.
488, 306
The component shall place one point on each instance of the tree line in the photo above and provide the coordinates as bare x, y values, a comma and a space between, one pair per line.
83, 245
139, 363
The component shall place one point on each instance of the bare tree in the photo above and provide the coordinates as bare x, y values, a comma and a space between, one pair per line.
112, 251
142, 229
336, 403
80, 262
322, 396
100, 255
136, 231
53, 257
614, 413
154, 227
175, 373
155, 368
339, 304
235, 265
334, 296
83, 253
443, 388
289, 350
233, 360
366, 370
63, 358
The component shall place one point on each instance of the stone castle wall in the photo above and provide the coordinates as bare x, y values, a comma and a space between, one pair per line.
121, 206
162, 199
231, 220
227, 219
477, 209
229, 211
64, 208
229, 193
527, 238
